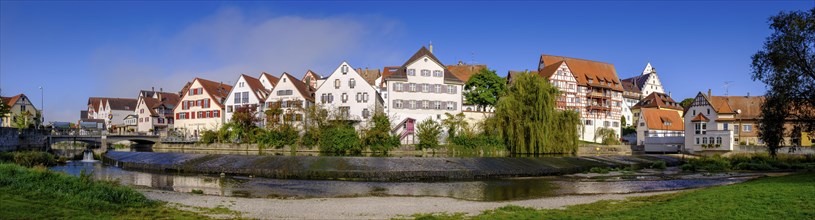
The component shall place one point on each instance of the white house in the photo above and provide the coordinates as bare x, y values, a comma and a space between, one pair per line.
709, 124
154, 111
347, 92
589, 87
660, 130
422, 88
268, 81
648, 82
247, 92
201, 107
291, 96
114, 111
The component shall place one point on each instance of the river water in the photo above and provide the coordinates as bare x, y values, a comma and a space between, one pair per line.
480, 190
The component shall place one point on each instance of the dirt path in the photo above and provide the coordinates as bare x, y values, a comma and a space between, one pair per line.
365, 207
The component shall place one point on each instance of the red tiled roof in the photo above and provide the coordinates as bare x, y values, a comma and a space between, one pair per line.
300, 85
10, 101
401, 73
122, 104
217, 91
601, 73
658, 100
387, 72
272, 79
465, 71
700, 117
660, 119
370, 75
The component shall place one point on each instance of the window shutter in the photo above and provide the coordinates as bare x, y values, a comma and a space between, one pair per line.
405, 87
455, 89
443, 89
443, 105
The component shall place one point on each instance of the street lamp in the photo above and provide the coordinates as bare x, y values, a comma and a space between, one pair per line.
42, 108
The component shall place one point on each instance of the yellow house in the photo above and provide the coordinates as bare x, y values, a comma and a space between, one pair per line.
18, 104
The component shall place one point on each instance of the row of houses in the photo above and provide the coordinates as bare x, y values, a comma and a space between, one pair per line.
424, 88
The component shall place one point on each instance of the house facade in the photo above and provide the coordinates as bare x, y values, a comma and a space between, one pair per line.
114, 111
18, 105
710, 124
154, 112
289, 97
348, 93
589, 87
248, 92
631, 96
648, 82
200, 107
658, 101
660, 130
422, 88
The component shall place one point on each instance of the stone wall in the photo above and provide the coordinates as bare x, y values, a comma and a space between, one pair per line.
12, 139
596, 149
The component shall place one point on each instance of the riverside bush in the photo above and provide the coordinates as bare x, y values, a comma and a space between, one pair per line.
761, 162
279, 137
378, 138
340, 139
29, 158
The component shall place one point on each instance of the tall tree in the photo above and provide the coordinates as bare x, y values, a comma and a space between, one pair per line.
483, 88
428, 132
686, 102
786, 65
528, 121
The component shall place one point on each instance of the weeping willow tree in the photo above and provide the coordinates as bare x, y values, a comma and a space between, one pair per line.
528, 121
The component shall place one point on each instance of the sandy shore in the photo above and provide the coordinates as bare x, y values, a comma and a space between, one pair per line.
365, 207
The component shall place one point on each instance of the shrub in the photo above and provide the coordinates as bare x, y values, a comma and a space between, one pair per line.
600, 170
340, 139
660, 165
29, 158
310, 138
208, 137
378, 138
278, 137
428, 132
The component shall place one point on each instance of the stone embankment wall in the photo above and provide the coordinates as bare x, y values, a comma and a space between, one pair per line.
370, 168
12, 139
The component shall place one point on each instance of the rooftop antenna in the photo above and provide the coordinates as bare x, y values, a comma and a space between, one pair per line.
726, 86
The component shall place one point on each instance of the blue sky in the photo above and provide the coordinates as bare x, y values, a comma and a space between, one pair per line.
113, 49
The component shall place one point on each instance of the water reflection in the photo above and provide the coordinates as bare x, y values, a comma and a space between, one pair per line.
486, 190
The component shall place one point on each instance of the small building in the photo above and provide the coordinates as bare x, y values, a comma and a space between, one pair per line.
656, 100
18, 105
154, 111
648, 82
660, 130
200, 107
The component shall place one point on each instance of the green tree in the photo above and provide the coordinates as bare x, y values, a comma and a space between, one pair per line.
340, 139
607, 136
428, 132
786, 65
378, 137
623, 121
23, 120
484, 88
685, 103
453, 123
528, 121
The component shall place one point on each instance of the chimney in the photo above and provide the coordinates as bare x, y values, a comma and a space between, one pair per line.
430, 47
153, 88
669, 94
748, 94
708, 93
161, 89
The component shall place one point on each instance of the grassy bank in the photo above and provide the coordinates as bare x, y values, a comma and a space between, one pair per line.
37, 193
755, 162
785, 197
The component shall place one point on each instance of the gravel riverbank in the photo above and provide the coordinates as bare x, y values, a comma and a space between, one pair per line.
365, 207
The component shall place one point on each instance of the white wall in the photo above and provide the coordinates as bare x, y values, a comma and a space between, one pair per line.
194, 126
285, 84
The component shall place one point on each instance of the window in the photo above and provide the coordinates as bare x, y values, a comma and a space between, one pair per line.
719, 140
694, 112
666, 123
228, 109
588, 122
425, 87
704, 140
438, 89
437, 73
642, 124
412, 87
697, 141
411, 104
323, 98
344, 69
284, 104
240, 84
615, 124
425, 72
437, 104
397, 103
330, 98
141, 111
245, 97
605, 124
701, 128
344, 111
708, 111
411, 72
365, 113
359, 97
344, 97
425, 104
451, 105
747, 128
352, 83
364, 97
451, 89
337, 83
237, 97
726, 126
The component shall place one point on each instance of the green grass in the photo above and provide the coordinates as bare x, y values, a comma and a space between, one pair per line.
785, 197
37, 193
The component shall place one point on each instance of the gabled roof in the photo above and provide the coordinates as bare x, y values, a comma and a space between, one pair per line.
387, 72
750, 106
660, 119
401, 73
217, 91
370, 75
151, 103
300, 86
700, 117
638, 80
601, 73
464, 71
272, 79
658, 100
122, 104
10, 101
94, 103
312, 73
254, 85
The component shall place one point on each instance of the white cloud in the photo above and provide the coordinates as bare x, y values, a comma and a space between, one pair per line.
229, 43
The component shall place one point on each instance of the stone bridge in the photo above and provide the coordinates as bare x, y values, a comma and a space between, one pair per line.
103, 140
